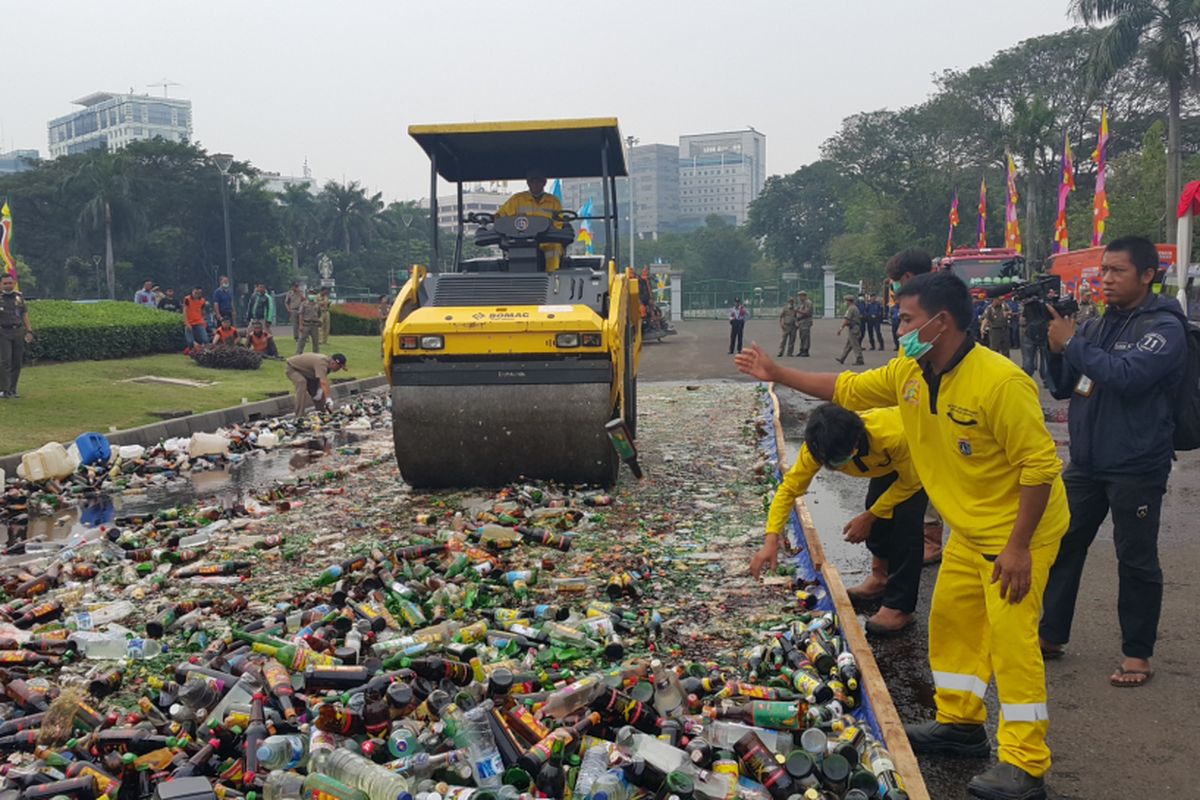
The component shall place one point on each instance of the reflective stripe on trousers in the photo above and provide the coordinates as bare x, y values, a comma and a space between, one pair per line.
975, 635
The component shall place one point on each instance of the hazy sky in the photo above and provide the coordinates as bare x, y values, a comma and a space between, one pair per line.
339, 82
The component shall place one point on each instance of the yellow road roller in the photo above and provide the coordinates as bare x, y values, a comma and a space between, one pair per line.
509, 365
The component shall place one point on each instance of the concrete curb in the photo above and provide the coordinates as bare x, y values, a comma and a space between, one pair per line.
208, 421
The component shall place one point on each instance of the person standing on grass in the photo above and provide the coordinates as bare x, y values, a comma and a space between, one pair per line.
309, 373
195, 329
145, 296
261, 306
385, 308
293, 301
310, 324
168, 302
15, 333
1121, 372
324, 302
223, 301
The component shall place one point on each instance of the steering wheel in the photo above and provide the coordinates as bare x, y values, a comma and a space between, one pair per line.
564, 216
481, 218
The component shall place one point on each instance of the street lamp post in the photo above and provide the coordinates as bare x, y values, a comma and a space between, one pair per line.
96, 268
631, 141
223, 161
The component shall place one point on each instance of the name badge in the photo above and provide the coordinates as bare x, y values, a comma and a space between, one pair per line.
1085, 386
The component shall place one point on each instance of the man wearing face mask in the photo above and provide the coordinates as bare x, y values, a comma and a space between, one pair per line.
975, 429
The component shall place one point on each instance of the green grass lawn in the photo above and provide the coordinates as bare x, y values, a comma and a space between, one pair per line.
60, 401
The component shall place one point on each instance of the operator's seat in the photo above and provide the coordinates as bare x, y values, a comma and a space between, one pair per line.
520, 238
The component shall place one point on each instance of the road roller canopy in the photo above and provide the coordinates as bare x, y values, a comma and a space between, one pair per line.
501, 151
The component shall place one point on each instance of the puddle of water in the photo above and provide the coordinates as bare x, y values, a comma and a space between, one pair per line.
229, 484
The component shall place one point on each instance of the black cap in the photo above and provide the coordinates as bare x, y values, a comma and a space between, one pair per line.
339, 358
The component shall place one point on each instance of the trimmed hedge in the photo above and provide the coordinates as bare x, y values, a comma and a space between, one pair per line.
345, 322
66, 331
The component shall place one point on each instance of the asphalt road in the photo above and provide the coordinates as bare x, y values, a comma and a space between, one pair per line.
1107, 742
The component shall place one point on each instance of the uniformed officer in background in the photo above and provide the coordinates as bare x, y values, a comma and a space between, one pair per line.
15, 333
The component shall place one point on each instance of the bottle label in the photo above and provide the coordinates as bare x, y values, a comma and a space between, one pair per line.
776, 716
489, 767
137, 648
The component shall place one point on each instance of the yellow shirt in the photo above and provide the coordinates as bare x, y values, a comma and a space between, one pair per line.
888, 452
525, 204
976, 435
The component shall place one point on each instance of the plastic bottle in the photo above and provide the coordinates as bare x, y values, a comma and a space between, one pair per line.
378, 782
240, 694
573, 697
723, 735
594, 764
476, 736
611, 785
117, 646
668, 695
282, 752
290, 786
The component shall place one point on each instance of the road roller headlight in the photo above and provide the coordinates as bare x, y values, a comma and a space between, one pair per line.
567, 340
592, 340
433, 342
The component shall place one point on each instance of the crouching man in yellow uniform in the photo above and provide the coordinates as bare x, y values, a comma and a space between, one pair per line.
977, 436
536, 203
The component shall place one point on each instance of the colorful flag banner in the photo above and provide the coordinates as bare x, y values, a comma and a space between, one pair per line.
585, 227
1012, 228
557, 190
981, 236
1100, 203
6, 256
1066, 185
953, 224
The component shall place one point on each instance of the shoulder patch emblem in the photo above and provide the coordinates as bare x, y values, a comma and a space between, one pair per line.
912, 391
1151, 343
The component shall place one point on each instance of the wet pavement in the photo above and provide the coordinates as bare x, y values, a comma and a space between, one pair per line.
1107, 743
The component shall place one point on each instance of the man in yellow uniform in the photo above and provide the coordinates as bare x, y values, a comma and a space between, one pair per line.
868, 445
536, 203
978, 438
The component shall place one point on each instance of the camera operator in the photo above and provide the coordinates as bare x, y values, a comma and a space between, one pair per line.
1119, 371
1034, 354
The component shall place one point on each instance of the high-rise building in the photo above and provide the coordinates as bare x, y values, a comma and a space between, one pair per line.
654, 170
478, 198
17, 161
114, 120
720, 173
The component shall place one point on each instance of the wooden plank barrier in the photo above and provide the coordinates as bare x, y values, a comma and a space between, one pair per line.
886, 715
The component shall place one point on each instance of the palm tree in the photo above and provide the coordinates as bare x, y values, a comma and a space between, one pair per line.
1030, 132
1164, 32
299, 221
350, 214
109, 204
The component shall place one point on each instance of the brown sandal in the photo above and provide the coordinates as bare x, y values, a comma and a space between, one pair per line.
1144, 677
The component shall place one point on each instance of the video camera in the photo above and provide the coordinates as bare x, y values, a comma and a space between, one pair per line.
1037, 292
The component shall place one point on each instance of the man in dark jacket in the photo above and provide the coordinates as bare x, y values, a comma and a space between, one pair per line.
1120, 372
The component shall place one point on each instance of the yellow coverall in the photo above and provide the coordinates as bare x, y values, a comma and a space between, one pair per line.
977, 435
525, 204
888, 454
